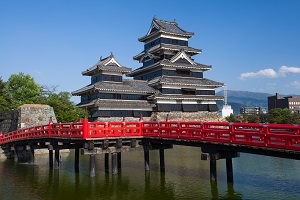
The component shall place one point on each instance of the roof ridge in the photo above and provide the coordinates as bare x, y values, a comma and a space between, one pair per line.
164, 21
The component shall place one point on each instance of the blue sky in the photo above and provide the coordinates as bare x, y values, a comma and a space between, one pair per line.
252, 45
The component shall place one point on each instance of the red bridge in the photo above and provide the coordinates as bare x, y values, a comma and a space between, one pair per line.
217, 140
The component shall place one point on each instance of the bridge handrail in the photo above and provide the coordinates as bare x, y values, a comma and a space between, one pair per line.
284, 136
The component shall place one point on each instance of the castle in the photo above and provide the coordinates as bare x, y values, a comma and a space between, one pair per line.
169, 79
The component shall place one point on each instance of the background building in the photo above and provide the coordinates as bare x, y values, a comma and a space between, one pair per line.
290, 102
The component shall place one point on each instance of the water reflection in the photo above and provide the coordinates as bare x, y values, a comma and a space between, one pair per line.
182, 180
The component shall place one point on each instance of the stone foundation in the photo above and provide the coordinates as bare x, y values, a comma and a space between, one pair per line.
30, 115
173, 116
202, 116
34, 115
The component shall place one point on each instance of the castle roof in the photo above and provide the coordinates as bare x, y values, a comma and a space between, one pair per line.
169, 64
171, 47
184, 81
106, 64
185, 97
160, 26
117, 103
127, 86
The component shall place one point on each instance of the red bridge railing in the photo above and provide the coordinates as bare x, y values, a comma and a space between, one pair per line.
280, 136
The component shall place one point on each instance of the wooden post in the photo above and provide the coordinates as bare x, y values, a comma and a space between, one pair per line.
213, 169
162, 160
229, 170
146, 158
106, 162
92, 165
16, 155
51, 159
56, 155
76, 160
114, 163
31, 155
119, 160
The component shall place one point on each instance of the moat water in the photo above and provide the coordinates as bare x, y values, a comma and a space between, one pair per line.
186, 177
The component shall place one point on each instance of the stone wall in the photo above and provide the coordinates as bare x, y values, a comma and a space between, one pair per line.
35, 115
202, 116
173, 116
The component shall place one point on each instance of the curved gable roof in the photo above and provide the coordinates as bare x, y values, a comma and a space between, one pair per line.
162, 26
107, 64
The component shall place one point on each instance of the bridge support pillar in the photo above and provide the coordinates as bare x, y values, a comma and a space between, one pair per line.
56, 162
30, 150
50, 148
229, 170
162, 160
119, 155
15, 152
92, 165
213, 155
213, 169
106, 162
114, 163
51, 159
146, 158
76, 164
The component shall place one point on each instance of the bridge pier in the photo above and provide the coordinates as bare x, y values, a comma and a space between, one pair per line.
15, 153
114, 163
76, 164
162, 160
119, 155
229, 170
213, 169
92, 165
30, 153
213, 155
146, 159
56, 158
106, 162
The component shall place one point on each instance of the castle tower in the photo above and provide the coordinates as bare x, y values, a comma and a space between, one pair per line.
168, 67
109, 95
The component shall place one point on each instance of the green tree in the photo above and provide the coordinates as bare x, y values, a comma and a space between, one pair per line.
65, 110
253, 119
231, 118
295, 118
22, 89
5, 102
280, 116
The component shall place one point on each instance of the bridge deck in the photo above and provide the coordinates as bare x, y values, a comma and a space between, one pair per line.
281, 140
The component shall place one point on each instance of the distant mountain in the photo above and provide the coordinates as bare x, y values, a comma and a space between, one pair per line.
240, 99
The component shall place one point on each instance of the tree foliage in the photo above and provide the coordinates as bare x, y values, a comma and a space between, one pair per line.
5, 103
283, 116
65, 110
22, 89
275, 116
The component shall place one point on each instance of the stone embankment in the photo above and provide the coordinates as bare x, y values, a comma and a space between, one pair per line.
34, 115
173, 116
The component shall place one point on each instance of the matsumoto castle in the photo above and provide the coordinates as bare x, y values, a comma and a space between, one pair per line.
169, 79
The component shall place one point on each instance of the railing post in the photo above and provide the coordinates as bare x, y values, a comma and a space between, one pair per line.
168, 118
50, 126
266, 132
231, 132
141, 118
85, 128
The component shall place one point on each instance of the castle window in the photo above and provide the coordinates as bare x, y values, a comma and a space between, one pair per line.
183, 72
188, 91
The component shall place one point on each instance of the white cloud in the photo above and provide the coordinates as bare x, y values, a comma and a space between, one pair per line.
296, 84
286, 69
270, 73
